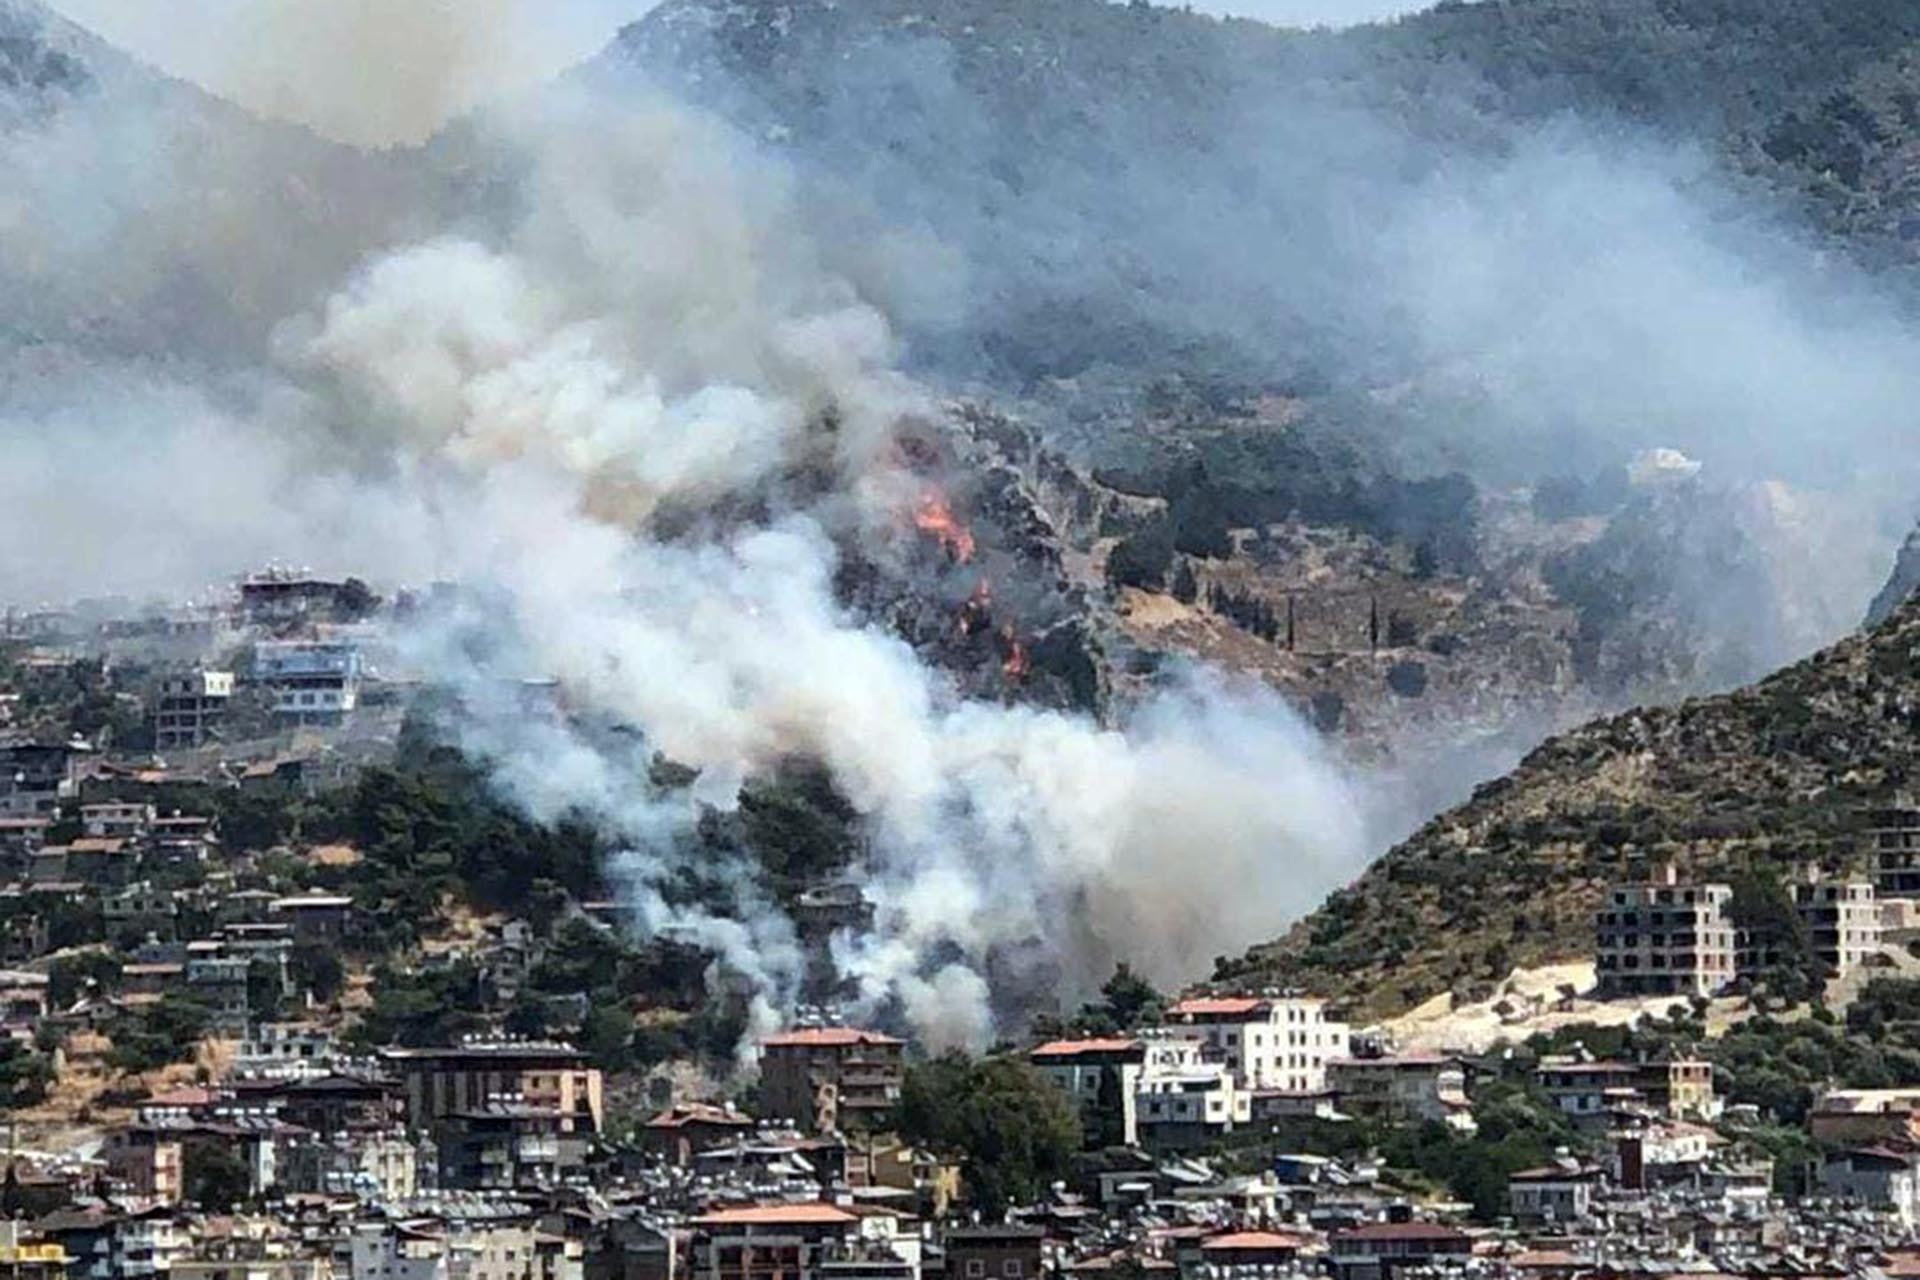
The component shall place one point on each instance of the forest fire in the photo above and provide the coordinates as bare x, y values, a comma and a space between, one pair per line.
1018, 662
934, 516
977, 613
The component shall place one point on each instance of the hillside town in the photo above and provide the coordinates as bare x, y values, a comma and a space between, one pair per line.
233, 1049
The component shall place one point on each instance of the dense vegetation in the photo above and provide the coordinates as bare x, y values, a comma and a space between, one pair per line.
1758, 780
1014, 1133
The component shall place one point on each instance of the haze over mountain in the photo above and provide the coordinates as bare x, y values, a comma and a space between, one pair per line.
1605, 369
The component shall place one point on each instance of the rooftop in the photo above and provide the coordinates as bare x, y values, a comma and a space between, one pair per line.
776, 1214
826, 1037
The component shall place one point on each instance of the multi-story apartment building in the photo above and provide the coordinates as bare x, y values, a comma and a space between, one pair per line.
1893, 837
36, 776
1842, 919
1268, 1042
1101, 1076
1405, 1088
312, 682
189, 708
769, 1242
438, 1083
1663, 937
1586, 1089
1184, 1096
829, 1078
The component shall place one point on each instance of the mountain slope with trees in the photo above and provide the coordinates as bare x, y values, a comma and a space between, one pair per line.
1765, 778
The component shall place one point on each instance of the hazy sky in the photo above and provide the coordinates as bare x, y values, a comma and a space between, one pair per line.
415, 62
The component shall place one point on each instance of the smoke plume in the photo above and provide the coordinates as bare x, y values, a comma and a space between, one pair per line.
645, 395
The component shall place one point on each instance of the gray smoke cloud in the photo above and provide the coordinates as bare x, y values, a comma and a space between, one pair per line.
661, 331
657, 317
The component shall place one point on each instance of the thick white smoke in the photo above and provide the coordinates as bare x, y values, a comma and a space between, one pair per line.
658, 333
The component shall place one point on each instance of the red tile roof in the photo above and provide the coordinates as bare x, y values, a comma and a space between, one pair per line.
1218, 1007
1251, 1240
826, 1037
774, 1214
1074, 1048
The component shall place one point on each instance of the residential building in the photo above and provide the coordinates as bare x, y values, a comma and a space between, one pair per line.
454, 1249
149, 1162
826, 1079
1102, 1077
1842, 919
1587, 1089
279, 598
312, 682
1560, 1193
1268, 1042
1893, 837
316, 917
1866, 1117
25, 1254
1407, 1087
190, 708
1662, 937
1380, 1250
293, 1050
36, 776
23, 999
140, 909
1009, 1252
507, 1144
1242, 1255
115, 819
1183, 1097
177, 839
437, 1083
768, 1242
1882, 1176
679, 1133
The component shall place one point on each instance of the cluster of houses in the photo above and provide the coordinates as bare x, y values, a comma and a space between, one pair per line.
492, 1158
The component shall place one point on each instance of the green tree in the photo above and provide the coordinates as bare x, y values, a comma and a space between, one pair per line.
1129, 1000
24, 1076
1143, 559
216, 1177
1763, 911
1013, 1131
317, 969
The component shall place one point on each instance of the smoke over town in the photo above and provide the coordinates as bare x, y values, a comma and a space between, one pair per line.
647, 404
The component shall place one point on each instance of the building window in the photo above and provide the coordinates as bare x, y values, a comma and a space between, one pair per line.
976, 1267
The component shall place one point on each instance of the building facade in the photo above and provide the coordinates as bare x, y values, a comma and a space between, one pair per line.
1663, 937
825, 1079
1268, 1042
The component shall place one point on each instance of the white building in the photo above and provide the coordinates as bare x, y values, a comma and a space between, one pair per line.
432, 1249
1184, 1096
1268, 1042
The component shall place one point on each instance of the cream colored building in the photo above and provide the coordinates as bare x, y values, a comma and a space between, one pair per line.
1268, 1042
1662, 937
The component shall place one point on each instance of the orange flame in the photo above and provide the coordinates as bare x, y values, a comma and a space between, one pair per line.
934, 517
1018, 664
